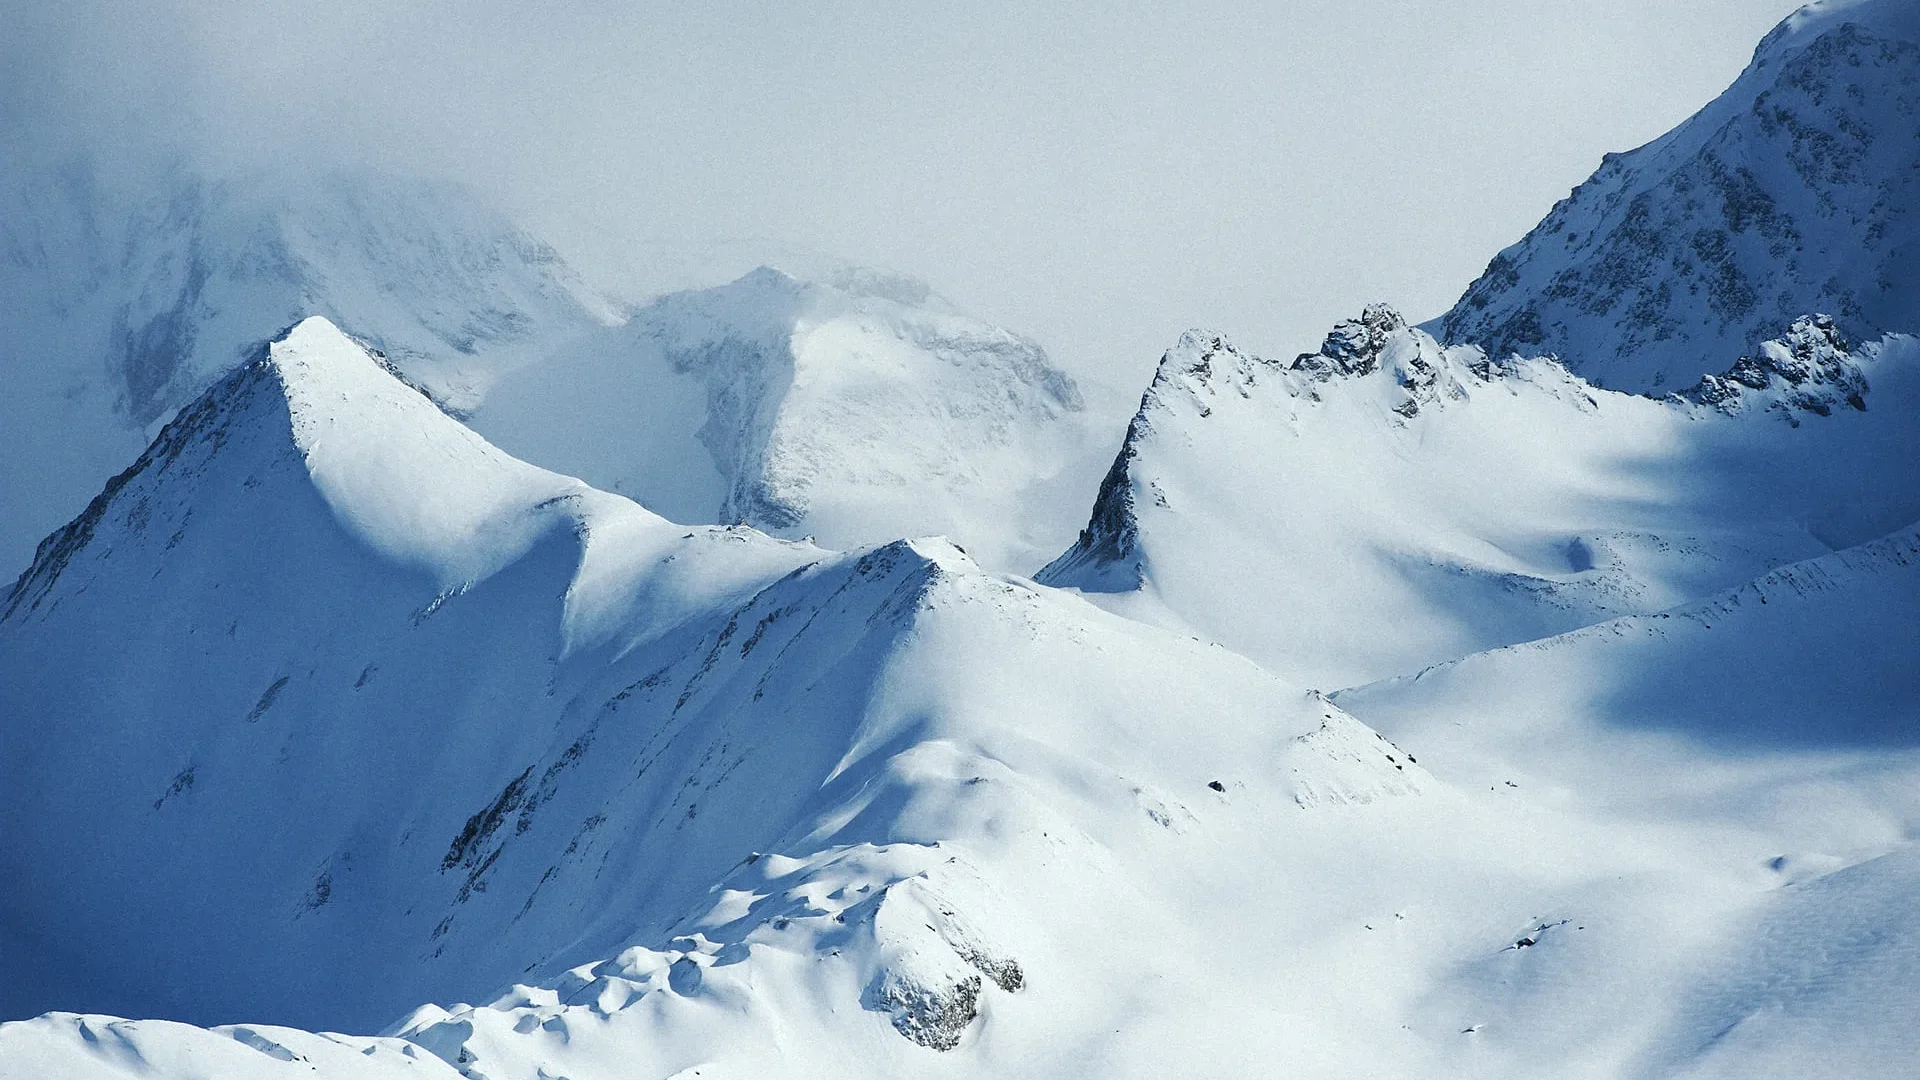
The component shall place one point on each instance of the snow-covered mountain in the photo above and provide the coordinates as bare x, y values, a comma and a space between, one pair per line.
1386, 502
127, 291
436, 721
1796, 191
852, 410
331, 711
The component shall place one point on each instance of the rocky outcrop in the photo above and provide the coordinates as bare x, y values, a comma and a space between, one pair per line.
932, 966
1381, 340
1354, 346
1807, 370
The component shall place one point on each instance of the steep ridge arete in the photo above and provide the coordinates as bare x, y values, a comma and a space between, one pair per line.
127, 292
853, 410
327, 708
1794, 192
1385, 502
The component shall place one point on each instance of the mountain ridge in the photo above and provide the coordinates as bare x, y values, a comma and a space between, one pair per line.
437, 718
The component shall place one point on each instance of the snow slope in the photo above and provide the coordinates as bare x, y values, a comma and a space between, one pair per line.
854, 410
127, 290
1793, 192
1386, 503
1784, 712
1611, 901
437, 721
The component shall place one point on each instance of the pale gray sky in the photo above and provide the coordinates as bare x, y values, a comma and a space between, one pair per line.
1100, 176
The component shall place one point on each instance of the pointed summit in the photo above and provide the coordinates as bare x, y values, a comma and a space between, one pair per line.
318, 421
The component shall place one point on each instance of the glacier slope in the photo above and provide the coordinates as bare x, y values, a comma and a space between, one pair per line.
1780, 717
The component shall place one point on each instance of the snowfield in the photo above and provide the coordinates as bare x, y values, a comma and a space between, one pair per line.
468, 680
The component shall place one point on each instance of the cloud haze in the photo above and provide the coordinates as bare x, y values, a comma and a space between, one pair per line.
1098, 178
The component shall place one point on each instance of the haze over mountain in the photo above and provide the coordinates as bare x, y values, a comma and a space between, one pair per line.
852, 410
127, 293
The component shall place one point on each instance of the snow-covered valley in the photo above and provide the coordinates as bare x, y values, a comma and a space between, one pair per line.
474, 677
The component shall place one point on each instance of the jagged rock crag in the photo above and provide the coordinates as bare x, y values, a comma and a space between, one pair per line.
1809, 369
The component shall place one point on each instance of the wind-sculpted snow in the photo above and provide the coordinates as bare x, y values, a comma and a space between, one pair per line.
437, 721
127, 295
1386, 502
1841, 675
853, 412
1793, 192
1781, 718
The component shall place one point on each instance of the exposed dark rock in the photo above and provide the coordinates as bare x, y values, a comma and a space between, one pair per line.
1809, 369
933, 1017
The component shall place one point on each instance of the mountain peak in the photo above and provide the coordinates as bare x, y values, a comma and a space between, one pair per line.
1375, 358
855, 410
1354, 346
319, 414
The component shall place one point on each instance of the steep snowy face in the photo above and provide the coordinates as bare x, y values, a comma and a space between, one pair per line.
1386, 503
433, 721
853, 411
126, 296
1793, 192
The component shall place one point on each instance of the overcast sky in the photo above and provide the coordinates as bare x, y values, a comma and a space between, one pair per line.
1099, 176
